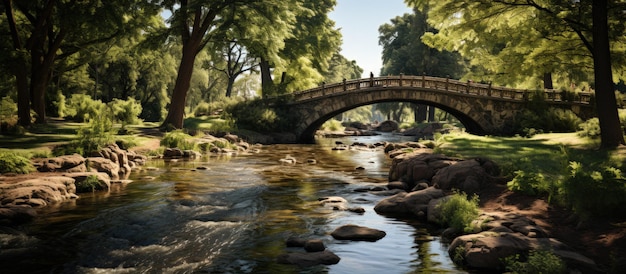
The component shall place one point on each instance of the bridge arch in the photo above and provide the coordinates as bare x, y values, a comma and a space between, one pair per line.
481, 108
308, 134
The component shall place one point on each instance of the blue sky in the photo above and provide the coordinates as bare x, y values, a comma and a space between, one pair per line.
359, 21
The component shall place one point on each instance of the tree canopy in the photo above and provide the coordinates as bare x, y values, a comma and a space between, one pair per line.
512, 41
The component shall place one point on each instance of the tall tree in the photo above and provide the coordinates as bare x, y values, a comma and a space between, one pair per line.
236, 61
199, 22
44, 31
405, 53
340, 68
308, 51
517, 38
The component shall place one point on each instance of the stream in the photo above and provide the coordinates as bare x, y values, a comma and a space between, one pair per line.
232, 217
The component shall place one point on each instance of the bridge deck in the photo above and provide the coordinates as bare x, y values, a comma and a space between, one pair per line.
436, 84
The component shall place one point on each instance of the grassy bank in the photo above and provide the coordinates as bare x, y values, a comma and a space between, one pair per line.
563, 168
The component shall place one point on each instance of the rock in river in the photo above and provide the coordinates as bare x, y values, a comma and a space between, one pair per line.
358, 233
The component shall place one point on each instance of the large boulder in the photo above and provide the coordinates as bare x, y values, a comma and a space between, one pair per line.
65, 163
358, 233
104, 181
107, 166
388, 126
487, 251
417, 202
418, 166
468, 176
37, 192
393, 205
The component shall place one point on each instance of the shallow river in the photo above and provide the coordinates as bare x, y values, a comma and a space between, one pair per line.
233, 217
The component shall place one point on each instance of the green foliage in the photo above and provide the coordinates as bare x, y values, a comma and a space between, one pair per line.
126, 112
534, 183
8, 111
11, 162
9, 119
595, 191
402, 42
81, 108
96, 135
458, 211
178, 139
258, 116
590, 128
537, 261
203, 109
332, 125
538, 118
89, 184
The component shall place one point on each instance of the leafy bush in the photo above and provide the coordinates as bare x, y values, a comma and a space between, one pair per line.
8, 111
590, 128
11, 162
259, 116
126, 112
96, 135
458, 211
81, 107
8, 117
595, 192
178, 139
538, 261
89, 184
332, 125
534, 183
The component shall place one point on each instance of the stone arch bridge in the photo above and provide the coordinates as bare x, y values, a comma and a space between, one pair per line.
481, 108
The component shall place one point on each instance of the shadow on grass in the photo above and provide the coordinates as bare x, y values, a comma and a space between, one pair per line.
541, 154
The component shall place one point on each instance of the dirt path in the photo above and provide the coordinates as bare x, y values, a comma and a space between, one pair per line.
602, 240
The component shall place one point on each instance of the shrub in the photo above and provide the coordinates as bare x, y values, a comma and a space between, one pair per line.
538, 261
126, 112
202, 109
178, 139
259, 116
96, 135
532, 183
590, 128
332, 125
89, 184
595, 192
458, 211
11, 162
81, 107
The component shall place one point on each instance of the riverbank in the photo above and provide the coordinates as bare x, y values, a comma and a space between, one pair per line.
602, 240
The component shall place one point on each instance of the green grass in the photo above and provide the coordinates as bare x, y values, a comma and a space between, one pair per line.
548, 153
561, 167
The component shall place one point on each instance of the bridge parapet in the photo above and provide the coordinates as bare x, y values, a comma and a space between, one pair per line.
437, 84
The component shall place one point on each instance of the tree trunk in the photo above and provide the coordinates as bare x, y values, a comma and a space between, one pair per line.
420, 113
229, 87
23, 95
176, 111
267, 84
431, 114
547, 81
611, 134
39, 79
20, 70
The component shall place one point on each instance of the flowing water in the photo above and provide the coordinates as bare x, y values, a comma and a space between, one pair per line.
232, 217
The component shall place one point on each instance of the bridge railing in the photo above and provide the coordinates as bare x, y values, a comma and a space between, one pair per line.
438, 84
